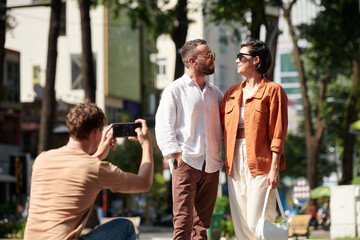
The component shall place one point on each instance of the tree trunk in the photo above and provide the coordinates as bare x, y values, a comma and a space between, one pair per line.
349, 141
87, 56
256, 14
313, 138
2, 44
312, 148
48, 102
313, 142
272, 34
300, 69
179, 36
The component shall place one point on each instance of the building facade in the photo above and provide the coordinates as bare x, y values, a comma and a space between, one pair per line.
124, 75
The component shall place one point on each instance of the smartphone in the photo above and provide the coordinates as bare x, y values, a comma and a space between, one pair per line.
125, 129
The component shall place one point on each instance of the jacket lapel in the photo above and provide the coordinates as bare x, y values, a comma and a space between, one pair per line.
261, 90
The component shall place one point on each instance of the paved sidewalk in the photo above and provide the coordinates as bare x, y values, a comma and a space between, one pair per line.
155, 232
165, 233
320, 233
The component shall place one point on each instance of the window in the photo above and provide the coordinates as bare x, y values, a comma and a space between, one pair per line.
292, 90
36, 74
76, 71
9, 128
76, 74
161, 62
289, 79
12, 81
223, 42
287, 63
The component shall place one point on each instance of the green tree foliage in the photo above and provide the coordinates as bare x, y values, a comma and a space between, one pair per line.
139, 12
295, 155
127, 156
245, 18
236, 14
161, 17
334, 51
159, 194
12, 229
12, 223
336, 109
333, 37
228, 12
222, 205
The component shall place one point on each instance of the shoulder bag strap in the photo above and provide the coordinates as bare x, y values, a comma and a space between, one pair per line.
278, 202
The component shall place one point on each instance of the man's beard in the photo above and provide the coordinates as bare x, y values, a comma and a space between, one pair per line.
205, 69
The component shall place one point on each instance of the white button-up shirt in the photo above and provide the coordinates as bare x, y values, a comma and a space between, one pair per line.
188, 121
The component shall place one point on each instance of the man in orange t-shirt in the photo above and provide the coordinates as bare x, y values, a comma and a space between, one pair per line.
66, 181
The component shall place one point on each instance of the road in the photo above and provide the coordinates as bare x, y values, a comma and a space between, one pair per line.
155, 233
165, 233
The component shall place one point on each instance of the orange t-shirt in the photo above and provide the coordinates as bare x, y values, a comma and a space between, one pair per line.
265, 123
64, 185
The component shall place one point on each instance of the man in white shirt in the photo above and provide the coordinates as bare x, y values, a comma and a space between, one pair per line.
188, 132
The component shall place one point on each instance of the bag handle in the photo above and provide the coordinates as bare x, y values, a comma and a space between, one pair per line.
278, 202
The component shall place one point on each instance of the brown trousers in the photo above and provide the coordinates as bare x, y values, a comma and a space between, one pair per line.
194, 196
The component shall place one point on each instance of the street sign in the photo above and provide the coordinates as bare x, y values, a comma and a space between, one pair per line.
301, 191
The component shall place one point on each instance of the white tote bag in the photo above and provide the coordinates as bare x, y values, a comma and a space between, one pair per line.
267, 230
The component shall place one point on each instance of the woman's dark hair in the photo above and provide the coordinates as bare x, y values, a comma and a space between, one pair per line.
259, 48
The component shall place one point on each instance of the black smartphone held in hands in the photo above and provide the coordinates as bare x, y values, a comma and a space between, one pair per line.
126, 129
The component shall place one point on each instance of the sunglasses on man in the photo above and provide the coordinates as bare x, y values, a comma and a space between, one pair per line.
210, 56
240, 55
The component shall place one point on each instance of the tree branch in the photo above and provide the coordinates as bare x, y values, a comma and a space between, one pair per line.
299, 65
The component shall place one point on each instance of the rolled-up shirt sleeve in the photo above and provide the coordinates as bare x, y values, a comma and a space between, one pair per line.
278, 121
165, 121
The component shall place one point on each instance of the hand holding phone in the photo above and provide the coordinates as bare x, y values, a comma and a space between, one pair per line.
126, 129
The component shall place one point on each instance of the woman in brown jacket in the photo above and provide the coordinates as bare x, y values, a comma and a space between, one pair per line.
254, 120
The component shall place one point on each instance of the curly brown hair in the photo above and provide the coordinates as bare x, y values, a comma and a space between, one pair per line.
83, 118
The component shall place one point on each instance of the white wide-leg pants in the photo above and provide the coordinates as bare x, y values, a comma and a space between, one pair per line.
247, 196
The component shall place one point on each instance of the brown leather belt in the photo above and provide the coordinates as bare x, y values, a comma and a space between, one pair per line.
240, 133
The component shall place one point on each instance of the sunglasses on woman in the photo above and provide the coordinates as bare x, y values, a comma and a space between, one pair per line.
240, 55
